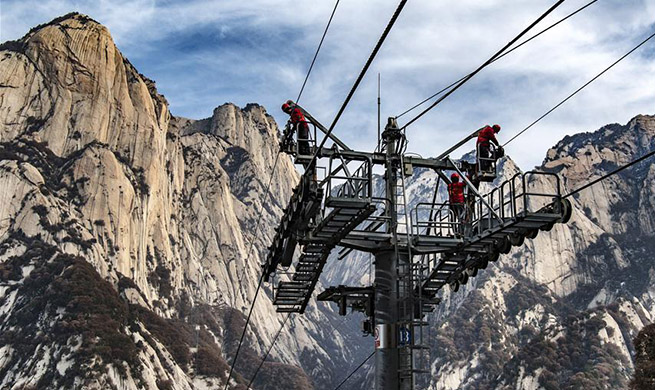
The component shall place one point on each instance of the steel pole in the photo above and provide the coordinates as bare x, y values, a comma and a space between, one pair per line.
386, 276
386, 313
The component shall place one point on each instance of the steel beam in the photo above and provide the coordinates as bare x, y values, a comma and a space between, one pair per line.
460, 143
318, 125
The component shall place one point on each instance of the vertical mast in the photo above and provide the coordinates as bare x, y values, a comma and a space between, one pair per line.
386, 275
379, 104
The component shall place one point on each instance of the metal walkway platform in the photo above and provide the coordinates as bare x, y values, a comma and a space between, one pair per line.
464, 257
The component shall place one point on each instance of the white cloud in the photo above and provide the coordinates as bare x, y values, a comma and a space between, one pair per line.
259, 50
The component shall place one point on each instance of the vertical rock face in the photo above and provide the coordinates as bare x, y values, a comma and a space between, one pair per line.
126, 232
126, 259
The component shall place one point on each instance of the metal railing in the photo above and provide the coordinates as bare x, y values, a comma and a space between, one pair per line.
311, 141
513, 198
341, 183
293, 146
442, 224
488, 162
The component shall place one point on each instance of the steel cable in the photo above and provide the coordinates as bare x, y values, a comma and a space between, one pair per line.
489, 61
317, 50
400, 7
352, 91
595, 181
261, 214
355, 370
245, 328
269, 350
581, 88
261, 278
501, 56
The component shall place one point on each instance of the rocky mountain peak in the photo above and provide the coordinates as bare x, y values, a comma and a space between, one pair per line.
72, 17
74, 87
125, 232
98, 178
637, 134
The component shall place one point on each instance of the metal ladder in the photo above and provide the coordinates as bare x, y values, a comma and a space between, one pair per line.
411, 349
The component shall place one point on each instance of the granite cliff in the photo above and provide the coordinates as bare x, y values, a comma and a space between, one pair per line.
124, 230
125, 235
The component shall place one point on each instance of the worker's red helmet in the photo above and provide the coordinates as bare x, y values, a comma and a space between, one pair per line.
496, 128
454, 177
286, 107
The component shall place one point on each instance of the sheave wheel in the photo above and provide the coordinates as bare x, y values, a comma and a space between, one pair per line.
517, 239
454, 286
504, 246
567, 210
463, 278
532, 233
547, 228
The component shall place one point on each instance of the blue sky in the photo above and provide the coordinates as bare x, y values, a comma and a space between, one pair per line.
204, 53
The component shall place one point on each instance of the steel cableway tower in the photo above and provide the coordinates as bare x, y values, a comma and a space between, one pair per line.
419, 247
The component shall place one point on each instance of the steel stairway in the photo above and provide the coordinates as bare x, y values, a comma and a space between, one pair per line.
345, 215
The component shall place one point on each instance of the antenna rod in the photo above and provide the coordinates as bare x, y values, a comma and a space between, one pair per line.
378, 111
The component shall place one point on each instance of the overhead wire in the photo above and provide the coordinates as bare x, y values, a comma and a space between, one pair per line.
261, 279
614, 172
384, 35
484, 65
317, 50
499, 57
261, 214
268, 351
245, 328
581, 88
355, 370
336, 327
277, 334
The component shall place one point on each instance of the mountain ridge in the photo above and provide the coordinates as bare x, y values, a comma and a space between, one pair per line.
103, 188
95, 165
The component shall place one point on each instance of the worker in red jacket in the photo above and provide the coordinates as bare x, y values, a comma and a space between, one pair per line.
456, 201
298, 124
486, 137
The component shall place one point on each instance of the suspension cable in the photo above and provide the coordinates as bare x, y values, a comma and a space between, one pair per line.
317, 50
355, 370
261, 214
581, 88
275, 340
489, 61
400, 7
313, 161
245, 328
617, 170
268, 351
261, 278
499, 57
